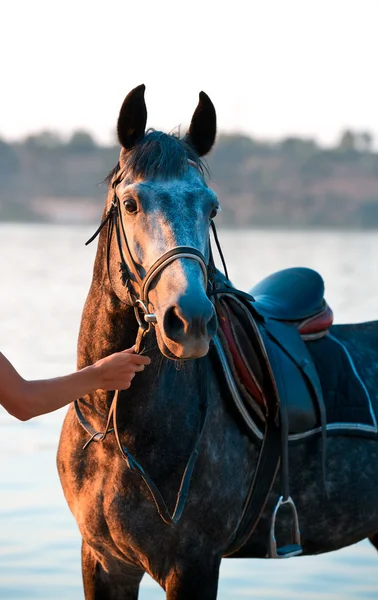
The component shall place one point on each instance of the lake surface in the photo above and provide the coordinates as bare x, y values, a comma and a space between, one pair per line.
44, 278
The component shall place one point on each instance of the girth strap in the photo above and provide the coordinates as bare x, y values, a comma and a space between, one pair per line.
261, 486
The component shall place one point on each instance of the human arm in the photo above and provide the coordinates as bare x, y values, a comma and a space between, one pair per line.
27, 399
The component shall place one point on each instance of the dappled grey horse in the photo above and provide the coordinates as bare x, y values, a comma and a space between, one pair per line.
161, 477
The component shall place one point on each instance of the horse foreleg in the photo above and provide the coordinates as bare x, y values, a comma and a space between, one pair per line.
374, 540
100, 584
194, 579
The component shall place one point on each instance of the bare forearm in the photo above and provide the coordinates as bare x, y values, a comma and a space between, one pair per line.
27, 399
47, 395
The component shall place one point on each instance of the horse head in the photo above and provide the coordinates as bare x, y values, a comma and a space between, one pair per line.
161, 240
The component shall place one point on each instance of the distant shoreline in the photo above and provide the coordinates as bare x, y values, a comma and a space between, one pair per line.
221, 227
292, 183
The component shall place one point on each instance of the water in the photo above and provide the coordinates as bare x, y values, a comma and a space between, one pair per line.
44, 277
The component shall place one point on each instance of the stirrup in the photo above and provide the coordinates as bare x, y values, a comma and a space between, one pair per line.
289, 550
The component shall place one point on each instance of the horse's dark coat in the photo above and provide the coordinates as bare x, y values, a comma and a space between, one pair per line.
123, 535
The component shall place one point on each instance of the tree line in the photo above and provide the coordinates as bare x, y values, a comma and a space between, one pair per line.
292, 182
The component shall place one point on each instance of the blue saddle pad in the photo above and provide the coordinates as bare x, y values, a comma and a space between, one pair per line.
347, 401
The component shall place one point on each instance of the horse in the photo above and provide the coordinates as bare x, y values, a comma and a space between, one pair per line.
157, 477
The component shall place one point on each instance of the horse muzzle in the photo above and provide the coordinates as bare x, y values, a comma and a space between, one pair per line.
188, 326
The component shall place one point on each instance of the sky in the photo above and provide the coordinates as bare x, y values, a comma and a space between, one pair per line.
273, 68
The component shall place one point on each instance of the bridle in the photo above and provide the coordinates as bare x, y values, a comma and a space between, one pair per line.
145, 319
129, 277
269, 455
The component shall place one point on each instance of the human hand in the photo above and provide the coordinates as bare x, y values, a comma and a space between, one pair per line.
116, 371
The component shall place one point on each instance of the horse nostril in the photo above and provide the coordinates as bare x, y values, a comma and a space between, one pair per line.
199, 321
173, 323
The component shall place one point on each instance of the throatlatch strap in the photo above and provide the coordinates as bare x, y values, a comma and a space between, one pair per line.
103, 222
219, 248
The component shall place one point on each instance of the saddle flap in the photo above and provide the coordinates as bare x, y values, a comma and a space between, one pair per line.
292, 388
288, 339
272, 362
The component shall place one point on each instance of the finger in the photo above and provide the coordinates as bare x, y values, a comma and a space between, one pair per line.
138, 359
129, 350
138, 368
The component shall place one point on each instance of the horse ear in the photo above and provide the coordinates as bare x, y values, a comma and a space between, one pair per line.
132, 118
203, 127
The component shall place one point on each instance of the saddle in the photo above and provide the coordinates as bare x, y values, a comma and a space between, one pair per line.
264, 340
262, 337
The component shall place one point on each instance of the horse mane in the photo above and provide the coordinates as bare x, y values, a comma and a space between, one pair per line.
159, 154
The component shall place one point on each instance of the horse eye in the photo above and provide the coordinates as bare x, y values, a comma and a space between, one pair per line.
130, 205
214, 213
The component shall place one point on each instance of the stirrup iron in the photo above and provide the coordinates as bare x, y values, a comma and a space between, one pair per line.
292, 549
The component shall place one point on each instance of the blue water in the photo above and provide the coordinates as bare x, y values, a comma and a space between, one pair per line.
44, 278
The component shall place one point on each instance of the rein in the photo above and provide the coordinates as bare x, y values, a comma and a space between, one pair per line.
269, 458
133, 465
113, 218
